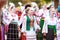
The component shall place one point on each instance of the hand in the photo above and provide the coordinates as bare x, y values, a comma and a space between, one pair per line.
37, 30
19, 34
44, 34
19, 29
24, 34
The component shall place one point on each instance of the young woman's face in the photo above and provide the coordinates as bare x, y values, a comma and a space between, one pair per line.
31, 11
52, 12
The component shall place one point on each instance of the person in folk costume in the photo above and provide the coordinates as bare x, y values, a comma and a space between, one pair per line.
29, 26
5, 20
13, 28
21, 11
21, 20
55, 15
1, 27
58, 24
49, 27
35, 7
42, 14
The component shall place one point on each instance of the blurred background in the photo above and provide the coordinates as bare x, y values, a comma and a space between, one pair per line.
39, 2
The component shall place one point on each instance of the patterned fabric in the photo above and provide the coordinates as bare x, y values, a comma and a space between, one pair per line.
50, 34
12, 32
53, 27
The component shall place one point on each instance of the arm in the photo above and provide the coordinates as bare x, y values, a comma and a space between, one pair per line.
45, 28
23, 24
36, 25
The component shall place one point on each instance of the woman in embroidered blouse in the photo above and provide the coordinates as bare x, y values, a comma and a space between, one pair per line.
13, 28
50, 26
29, 25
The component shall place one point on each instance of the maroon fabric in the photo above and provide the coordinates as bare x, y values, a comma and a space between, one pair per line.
19, 14
23, 37
6, 28
0, 34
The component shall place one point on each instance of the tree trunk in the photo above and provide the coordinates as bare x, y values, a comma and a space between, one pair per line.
56, 3
2, 3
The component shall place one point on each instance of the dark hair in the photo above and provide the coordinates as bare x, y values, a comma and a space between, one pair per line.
28, 5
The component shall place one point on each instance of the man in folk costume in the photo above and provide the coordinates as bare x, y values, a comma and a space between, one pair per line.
49, 27
13, 28
29, 26
1, 28
58, 24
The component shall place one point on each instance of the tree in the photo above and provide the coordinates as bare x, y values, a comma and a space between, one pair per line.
39, 2
56, 2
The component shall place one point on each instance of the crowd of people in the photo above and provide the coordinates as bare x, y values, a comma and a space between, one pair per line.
28, 22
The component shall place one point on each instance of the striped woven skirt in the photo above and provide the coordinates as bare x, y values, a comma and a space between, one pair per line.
12, 32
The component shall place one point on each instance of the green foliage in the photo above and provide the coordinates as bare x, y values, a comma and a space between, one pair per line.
15, 1
39, 2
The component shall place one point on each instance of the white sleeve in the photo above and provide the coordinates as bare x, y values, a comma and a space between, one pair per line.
21, 19
40, 12
8, 20
36, 25
45, 28
23, 25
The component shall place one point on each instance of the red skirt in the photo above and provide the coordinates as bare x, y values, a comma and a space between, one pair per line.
6, 28
23, 37
0, 34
